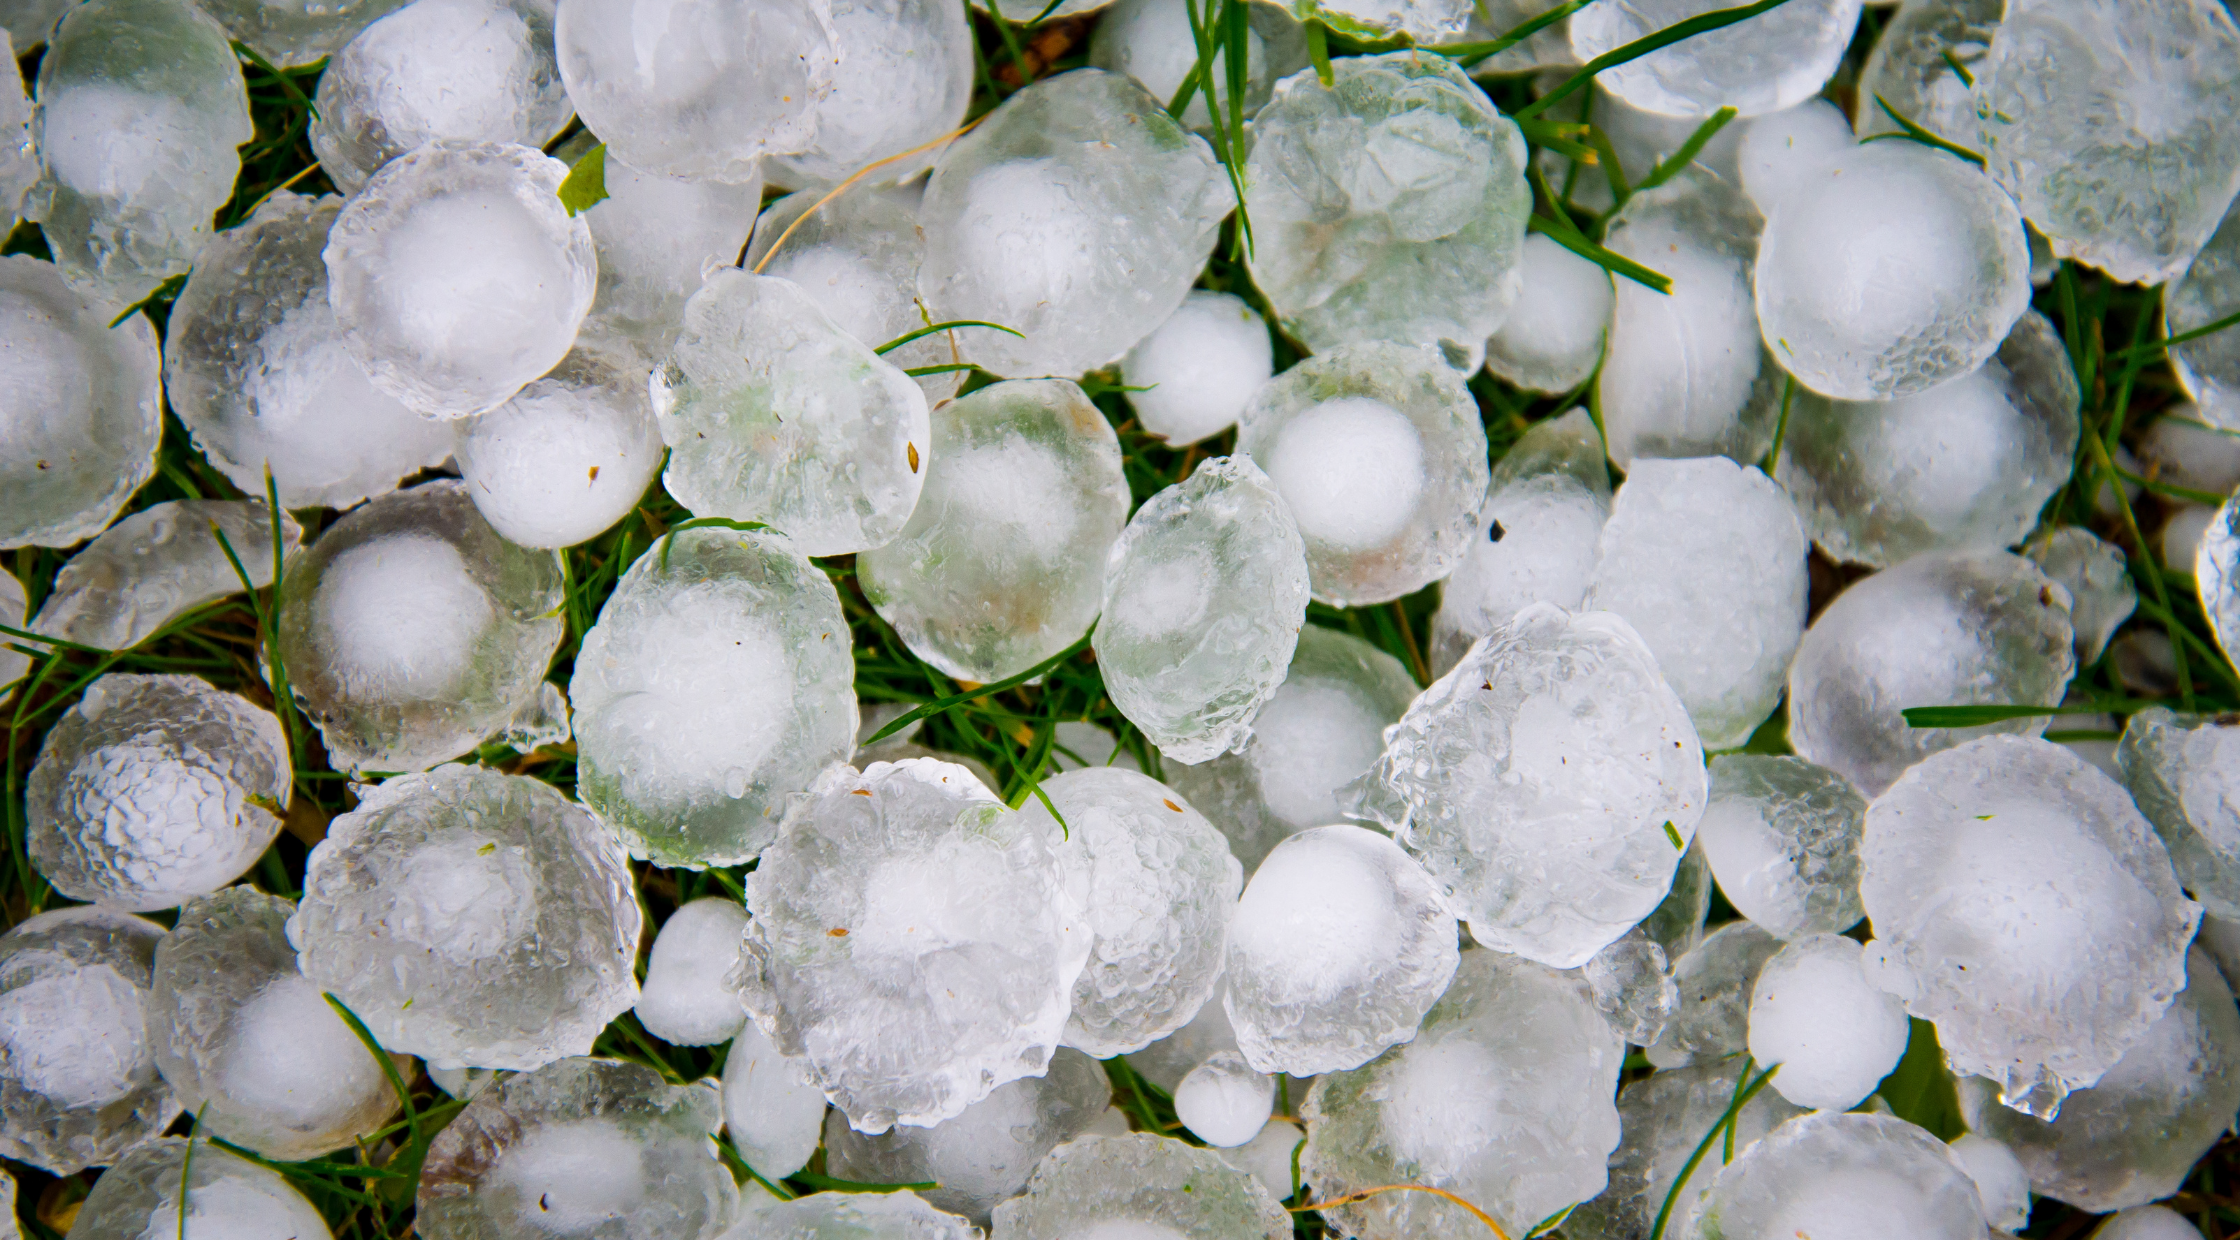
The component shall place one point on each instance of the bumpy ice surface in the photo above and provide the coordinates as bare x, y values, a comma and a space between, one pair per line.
1835, 1176
158, 564
1140, 1187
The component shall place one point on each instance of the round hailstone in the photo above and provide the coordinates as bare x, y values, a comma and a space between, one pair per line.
257, 372
1558, 344
685, 1000
295, 33
1139, 1187
2182, 771
78, 1085
84, 413
249, 1043
1890, 270
456, 276
2000, 1181
1983, 869
1505, 1098
1814, 1013
479, 70
1782, 836
471, 918
1323, 727
1152, 42
576, 1148
1339, 947
1836, 1176
1705, 559
1632, 986
773, 413
152, 789
1715, 980
2188, 447
705, 87
1002, 563
2096, 575
2216, 575
903, 80
1663, 1117
2147, 1223
658, 237
1549, 783
1968, 463
1764, 64
1945, 629
569, 455
1077, 213
1925, 64
738, 634
1380, 454
412, 632
226, 1195
912, 941
855, 1216
1389, 207
1199, 368
2209, 366
159, 564
1223, 1102
772, 1111
1204, 597
1781, 150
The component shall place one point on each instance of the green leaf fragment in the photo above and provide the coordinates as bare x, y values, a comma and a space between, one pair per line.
586, 183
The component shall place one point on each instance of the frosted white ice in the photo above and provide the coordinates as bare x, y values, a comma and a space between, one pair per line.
903, 80
1836, 1176
1781, 150
1834, 1034
772, 1110
569, 455
137, 1198
658, 237
1764, 64
1223, 1102
1199, 367
2001, 1182
1556, 346
1715, 980
685, 1000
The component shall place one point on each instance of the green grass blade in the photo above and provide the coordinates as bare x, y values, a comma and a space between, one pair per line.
952, 701
920, 372
1781, 428
1974, 716
1702, 23
1615, 264
2157, 346
828, 1184
1909, 130
388, 1067
1318, 54
1471, 55
1688, 151
950, 325
704, 523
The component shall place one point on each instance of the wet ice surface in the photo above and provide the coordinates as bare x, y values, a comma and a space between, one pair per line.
1813, 1012
1223, 1102
685, 1000
295, 33
1151, 41
1664, 1117
2216, 575
2180, 771
1200, 367
1836, 1176
159, 564
857, 259
2001, 1182
1632, 985
657, 238
225, 1194
1761, 65
1139, 1187
1782, 835
1781, 151
851, 1216
903, 80
570, 454
1912, 66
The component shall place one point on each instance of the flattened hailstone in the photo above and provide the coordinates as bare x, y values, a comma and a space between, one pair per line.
2208, 367
471, 918
774, 413
226, 1195
1782, 836
1390, 207
903, 80
1715, 980
2000, 1179
1837, 1176
1549, 784
1632, 986
1891, 269
257, 372
1423, 21
141, 105
1968, 463
2135, 1136
1781, 150
851, 1216
1912, 65
1339, 947
738, 633
1664, 1116
983, 1156
2180, 770
685, 1000
1380, 454
570, 454
1151, 41
857, 258
1002, 563
456, 276
2094, 572
1769, 62
249, 1043
1223, 1102
772, 1111
582, 1147
1324, 726
157, 565
959, 944
1505, 1098
480, 70
412, 632
1077, 213
1944, 629
2147, 1223
1200, 367
1556, 346
78, 1082
152, 789
658, 237
1984, 866
1814, 1012
84, 413
1139, 1187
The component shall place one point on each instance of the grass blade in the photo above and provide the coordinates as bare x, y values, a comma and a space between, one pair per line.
1616, 264
2197, 333
1702, 23
1688, 151
1318, 54
1471, 55
1909, 130
954, 700
923, 332
1975, 716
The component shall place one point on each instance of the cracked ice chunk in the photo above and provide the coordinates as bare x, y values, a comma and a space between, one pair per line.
658, 237
471, 918
1505, 1098
1223, 1102
157, 565
569, 455
903, 80
1390, 208
1201, 367
851, 1216
152, 789
226, 1195
2182, 771
1632, 985
1764, 64
1151, 41
1925, 64
1664, 1117
1339, 947
1836, 1176
912, 941
685, 1000
1814, 1012
1139, 1187
737, 633
2208, 367
772, 1110
1983, 867
2094, 572
1780, 151
2001, 1182
1556, 346
1715, 981
1782, 835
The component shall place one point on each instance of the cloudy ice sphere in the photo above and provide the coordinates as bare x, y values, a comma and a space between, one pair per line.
1002, 563
13, 662
226, 1195
1558, 344
2095, 573
1078, 214
1201, 366
1814, 1012
2182, 771
141, 107
903, 80
684, 1000
159, 564
1781, 150
1139, 1187
1632, 986
772, 1110
2001, 1182
152, 789
738, 633
1549, 783
657, 238
582, 1147
1151, 41
1782, 836
1983, 867
849, 1216
1944, 629
1663, 1117
1916, 66
471, 918
1340, 945
569, 455
2208, 366
457, 277
1223, 1102
1388, 208
1503, 1098
1765, 64
412, 632
2185, 447
2147, 1223
1837, 1176
1715, 981
81, 410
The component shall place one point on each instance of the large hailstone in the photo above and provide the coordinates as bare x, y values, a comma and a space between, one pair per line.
152, 789
1663, 1117
1764, 64
657, 238
1984, 867
1715, 979
472, 919
1388, 207
2182, 771
1813, 1012
1380, 454
1916, 65
1558, 345
159, 564
1139, 1187
737, 633
1002, 564
1078, 213
226, 1195
570, 454
2208, 367
1200, 368
1782, 836
912, 941
1549, 783
903, 80
1837, 1176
